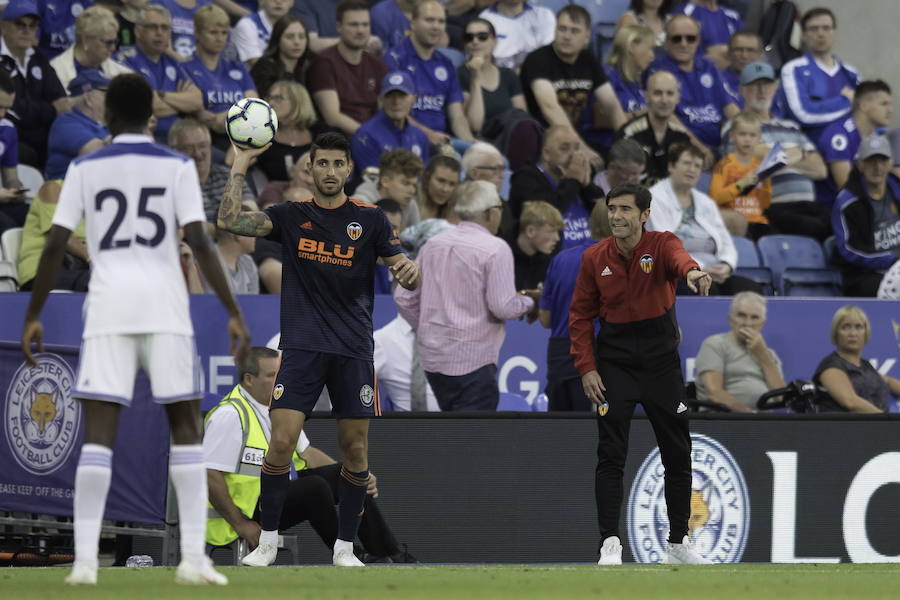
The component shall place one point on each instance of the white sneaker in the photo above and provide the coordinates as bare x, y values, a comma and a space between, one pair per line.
82, 575
263, 556
201, 572
343, 556
685, 554
611, 552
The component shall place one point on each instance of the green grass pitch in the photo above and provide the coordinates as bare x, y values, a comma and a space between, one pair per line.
628, 582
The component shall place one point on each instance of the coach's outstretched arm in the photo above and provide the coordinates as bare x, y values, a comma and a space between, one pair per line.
48, 268
232, 217
196, 237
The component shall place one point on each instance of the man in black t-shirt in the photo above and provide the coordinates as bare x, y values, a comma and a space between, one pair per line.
564, 83
330, 245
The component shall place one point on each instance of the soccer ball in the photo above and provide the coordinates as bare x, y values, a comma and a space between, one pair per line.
251, 123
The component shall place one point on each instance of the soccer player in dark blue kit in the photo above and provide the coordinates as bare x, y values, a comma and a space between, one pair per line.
330, 244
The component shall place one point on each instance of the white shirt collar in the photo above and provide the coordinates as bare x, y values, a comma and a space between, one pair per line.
4, 51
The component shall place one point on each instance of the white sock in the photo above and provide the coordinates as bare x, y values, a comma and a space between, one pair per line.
188, 473
92, 479
268, 537
340, 544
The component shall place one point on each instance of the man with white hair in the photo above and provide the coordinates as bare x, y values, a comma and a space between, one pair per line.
484, 162
467, 292
736, 367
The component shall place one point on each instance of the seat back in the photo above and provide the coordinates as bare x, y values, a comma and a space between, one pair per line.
747, 253
9, 277
10, 242
31, 179
779, 252
760, 275
798, 281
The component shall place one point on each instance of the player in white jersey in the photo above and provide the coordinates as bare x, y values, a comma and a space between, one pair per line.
134, 195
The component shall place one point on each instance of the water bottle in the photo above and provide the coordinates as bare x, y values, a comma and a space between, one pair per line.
140, 560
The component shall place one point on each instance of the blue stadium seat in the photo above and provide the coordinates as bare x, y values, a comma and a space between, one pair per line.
761, 275
829, 246
800, 261
797, 281
746, 250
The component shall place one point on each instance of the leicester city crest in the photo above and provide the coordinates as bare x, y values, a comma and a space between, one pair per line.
720, 505
41, 417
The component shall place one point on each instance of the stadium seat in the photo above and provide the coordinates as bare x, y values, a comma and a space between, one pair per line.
9, 278
9, 244
456, 57
31, 179
797, 281
746, 250
510, 401
798, 259
829, 247
761, 275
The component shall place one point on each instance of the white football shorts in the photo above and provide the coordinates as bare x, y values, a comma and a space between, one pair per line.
109, 363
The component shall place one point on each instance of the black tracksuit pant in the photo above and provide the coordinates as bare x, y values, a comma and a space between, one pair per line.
639, 362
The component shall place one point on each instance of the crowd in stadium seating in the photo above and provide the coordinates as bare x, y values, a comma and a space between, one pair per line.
740, 138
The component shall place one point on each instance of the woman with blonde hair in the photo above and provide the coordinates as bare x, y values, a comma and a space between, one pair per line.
222, 82
852, 382
296, 129
96, 37
631, 54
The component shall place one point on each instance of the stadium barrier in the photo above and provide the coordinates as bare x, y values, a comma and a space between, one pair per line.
797, 329
508, 487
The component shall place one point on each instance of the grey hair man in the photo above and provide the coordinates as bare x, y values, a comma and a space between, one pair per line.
736, 367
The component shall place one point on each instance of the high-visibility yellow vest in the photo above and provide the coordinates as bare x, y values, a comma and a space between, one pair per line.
243, 483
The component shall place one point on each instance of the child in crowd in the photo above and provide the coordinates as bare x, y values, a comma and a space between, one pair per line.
538, 239
735, 186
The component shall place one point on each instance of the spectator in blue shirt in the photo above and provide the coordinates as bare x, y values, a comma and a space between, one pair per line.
222, 82
705, 103
174, 92
564, 390
184, 40
817, 88
12, 195
717, 25
390, 21
58, 24
390, 127
439, 101
81, 130
744, 48
872, 113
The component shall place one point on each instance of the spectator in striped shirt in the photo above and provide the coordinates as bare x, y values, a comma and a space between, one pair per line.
467, 293
794, 208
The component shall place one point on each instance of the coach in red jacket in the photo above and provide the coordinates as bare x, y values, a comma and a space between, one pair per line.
628, 281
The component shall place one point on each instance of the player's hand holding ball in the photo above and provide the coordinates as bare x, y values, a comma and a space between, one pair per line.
251, 125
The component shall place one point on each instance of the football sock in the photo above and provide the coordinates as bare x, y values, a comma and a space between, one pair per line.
188, 473
352, 495
273, 488
92, 479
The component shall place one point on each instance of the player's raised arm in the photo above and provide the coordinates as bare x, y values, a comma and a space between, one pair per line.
232, 217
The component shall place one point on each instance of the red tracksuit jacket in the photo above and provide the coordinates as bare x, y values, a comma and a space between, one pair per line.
621, 291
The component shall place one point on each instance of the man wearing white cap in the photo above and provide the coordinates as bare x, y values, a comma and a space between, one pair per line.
866, 219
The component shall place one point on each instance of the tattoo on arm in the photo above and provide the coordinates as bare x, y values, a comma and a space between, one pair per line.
233, 218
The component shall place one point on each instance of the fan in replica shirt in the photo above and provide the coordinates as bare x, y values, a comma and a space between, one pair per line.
330, 244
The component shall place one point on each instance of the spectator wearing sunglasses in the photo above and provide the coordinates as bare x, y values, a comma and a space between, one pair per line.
521, 28
96, 34
717, 25
705, 103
